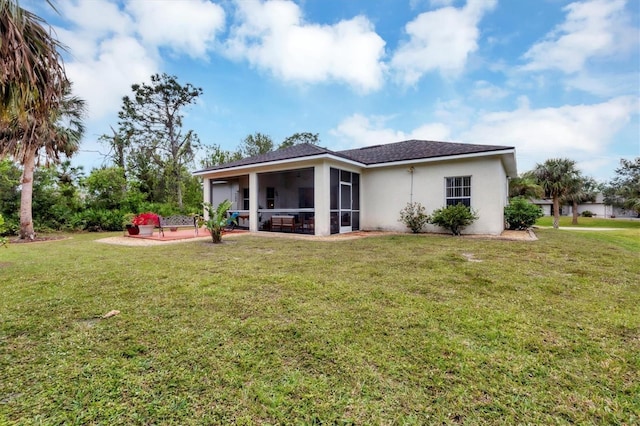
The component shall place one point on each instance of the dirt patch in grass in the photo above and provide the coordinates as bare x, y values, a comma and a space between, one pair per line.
38, 239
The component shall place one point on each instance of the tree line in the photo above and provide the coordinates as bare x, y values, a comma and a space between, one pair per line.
561, 180
41, 126
149, 163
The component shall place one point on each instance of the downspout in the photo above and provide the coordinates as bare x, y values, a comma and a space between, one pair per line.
411, 170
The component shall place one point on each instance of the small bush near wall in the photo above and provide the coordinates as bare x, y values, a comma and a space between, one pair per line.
586, 213
521, 214
454, 218
414, 216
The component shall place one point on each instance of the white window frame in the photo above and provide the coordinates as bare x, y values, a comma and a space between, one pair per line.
457, 189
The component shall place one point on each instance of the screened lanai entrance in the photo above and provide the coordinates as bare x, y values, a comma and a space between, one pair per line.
286, 201
236, 190
345, 201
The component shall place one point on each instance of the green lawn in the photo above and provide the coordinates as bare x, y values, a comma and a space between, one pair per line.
591, 222
382, 330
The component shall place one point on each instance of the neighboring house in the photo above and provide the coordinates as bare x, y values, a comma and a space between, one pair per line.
331, 192
546, 204
598, 208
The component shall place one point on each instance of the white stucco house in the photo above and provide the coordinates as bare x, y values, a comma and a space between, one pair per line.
306, 188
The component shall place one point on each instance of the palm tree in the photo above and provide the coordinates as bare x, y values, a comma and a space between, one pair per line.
32, 77
218, 219
525, 186
52, 138
38, 115
555, 176
580, 190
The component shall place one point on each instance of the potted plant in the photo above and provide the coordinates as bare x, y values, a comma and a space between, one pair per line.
218, 219
200, 221
127, 223
146, 222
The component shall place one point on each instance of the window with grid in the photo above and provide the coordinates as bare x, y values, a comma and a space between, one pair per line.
458, 191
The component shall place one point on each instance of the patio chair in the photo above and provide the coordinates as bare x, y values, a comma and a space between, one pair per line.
232, 221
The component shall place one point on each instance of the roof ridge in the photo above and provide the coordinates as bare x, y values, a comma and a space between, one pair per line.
415, 149
407, 150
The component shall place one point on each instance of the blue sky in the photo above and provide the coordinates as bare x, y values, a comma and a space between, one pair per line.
553, 78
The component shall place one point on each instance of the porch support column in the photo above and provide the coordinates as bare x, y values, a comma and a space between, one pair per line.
253, 202
206, 194
321, 199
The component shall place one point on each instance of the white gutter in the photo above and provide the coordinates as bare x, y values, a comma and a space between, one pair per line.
358, 164
446, 158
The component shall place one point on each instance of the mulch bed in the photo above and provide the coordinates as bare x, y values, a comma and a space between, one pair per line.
37, 239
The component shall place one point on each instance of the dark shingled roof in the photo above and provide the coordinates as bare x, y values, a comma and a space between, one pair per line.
295, 151
415, 150
378, 154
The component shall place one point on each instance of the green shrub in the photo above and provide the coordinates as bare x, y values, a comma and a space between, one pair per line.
3, 240
586, 213
97, 220
11, 226
414, 217
521, 214
454, 218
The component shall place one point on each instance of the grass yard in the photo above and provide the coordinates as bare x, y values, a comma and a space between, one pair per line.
382, 330
591, 222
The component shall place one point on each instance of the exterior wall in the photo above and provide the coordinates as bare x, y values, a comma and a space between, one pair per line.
386, 190
602, 210
546, 209
224, 191
599, 210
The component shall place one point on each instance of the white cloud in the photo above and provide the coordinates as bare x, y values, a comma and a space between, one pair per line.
187, 27
92, 22
440, 40
105, 78
595, 166
105, 57
111, 48
358, 130
593, 28
97, 17
441, 3
486, 91
273, 36
604, 84
580, 132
